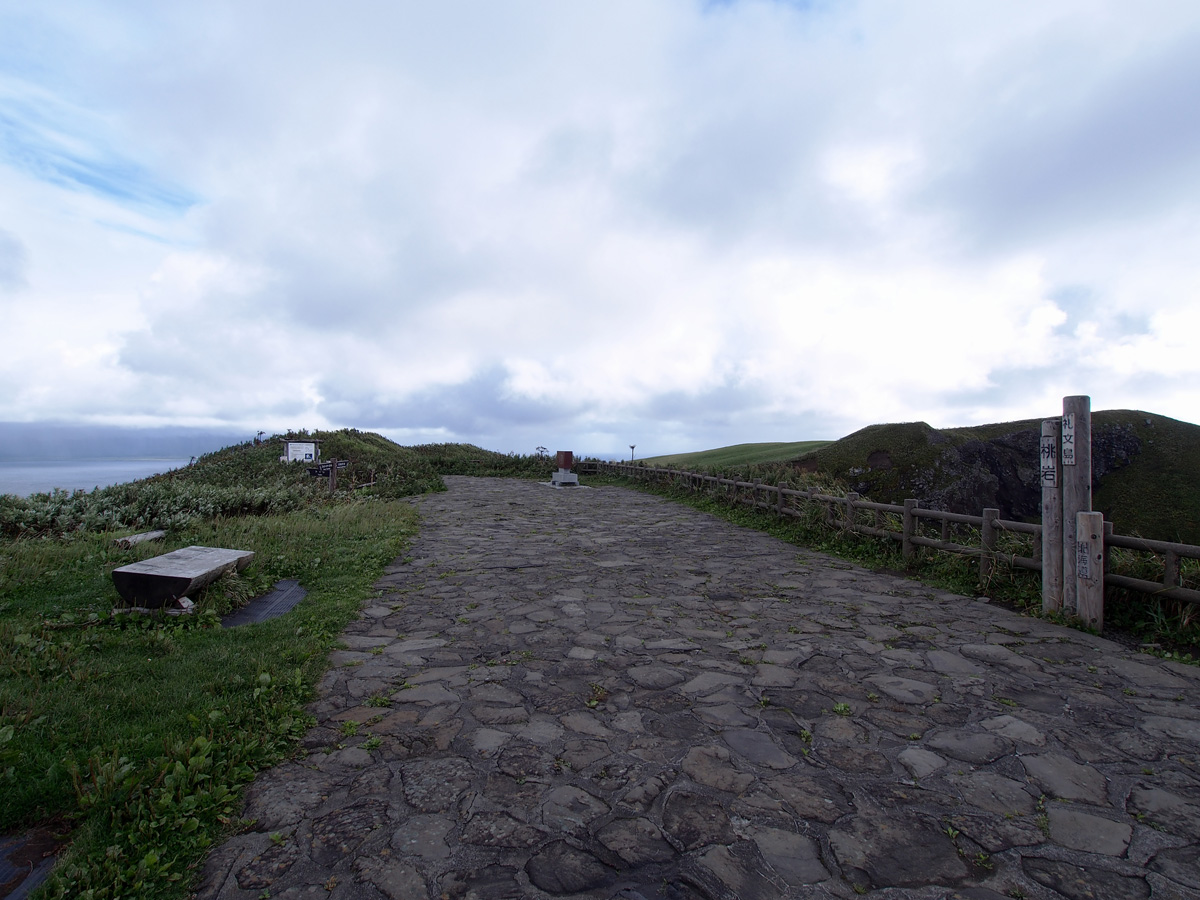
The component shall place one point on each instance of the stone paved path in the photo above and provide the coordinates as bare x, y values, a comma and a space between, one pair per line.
598, 693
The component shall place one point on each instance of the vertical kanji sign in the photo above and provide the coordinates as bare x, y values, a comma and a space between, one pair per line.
1068, 439
1049, 456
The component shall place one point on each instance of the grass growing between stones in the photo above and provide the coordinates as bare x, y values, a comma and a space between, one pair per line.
809, 530
136, 734
1171, 627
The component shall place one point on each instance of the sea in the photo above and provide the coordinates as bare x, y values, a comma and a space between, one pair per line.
33, 477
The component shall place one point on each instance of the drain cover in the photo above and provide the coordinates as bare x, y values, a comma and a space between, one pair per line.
25, 861
269, 606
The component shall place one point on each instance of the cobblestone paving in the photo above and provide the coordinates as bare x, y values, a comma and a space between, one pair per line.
598, 693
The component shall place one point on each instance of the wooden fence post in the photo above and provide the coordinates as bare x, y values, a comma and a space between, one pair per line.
909, 528
781, 487
848, 519
1170, 569
1052, 518
1089, 568
1108, 532
1076, 446
987, 561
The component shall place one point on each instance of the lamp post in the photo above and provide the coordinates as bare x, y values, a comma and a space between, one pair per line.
631, 446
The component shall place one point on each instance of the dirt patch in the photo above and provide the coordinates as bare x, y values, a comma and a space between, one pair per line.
880, 459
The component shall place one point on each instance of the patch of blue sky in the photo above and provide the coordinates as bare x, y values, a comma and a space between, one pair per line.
801, 5
1083, 304
141, 233
53, 143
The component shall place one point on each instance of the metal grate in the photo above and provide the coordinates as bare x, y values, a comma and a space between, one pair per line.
283, 598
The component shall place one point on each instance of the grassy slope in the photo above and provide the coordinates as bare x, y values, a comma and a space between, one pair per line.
467, 459
1157, 495
739, 454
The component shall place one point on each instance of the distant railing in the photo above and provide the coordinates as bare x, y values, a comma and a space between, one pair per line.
846, 512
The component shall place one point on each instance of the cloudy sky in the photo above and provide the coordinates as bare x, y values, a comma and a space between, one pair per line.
679, 224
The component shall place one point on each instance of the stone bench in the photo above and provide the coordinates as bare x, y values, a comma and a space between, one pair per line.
167, 579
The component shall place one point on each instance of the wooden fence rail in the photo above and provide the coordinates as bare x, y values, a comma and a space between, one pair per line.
844, 513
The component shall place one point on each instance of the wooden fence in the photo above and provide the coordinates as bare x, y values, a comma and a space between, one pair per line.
851, 513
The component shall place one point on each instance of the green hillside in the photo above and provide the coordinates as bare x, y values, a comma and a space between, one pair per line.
738, 455
1146, 469
248, 479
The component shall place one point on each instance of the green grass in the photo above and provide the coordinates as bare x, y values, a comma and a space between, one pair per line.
105, 711
467, 459
1158, 494
737, 455
135, 734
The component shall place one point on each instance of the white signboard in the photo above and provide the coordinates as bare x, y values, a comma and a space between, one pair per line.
301, 452
1049, 454
1068, 439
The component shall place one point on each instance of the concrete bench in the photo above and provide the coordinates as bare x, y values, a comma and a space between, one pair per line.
162, 580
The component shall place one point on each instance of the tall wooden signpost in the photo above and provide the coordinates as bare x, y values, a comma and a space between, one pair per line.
1076, 444
1052, 518
1072, 535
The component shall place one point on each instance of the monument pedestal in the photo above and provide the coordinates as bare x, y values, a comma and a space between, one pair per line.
565, 459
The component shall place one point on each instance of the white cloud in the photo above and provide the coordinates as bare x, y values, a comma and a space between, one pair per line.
12, 262
679, 224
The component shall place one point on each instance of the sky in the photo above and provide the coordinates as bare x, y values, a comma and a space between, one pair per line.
677, 224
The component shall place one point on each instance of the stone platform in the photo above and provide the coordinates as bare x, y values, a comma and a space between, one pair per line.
603, 694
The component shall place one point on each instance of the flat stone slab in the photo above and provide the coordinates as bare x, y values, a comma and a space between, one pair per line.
920, 762
1066, 779
905, 690
758, 748
970, 745
995, 793
886, 851
155, 582
721, 715
1081, 830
